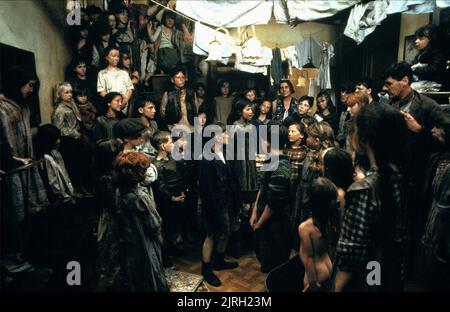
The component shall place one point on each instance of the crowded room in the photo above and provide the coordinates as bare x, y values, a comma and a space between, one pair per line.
225, 146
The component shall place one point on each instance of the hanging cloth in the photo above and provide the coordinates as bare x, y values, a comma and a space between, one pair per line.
364, 18
204, 35
308, 51
227, 13
324, 78
276, 69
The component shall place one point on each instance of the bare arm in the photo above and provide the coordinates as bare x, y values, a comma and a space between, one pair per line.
267, 213
307, 256
164, 101
342, 279
127, 96
254, 216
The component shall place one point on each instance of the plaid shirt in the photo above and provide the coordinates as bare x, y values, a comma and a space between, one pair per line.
359, 243
25, 189
296, 157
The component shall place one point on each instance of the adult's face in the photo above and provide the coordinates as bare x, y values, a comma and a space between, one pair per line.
27, 89
285, 91
394, 87
179, 80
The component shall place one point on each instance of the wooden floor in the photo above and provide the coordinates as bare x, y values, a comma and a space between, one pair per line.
247, 277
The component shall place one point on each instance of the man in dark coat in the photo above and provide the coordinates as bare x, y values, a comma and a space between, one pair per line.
420, 113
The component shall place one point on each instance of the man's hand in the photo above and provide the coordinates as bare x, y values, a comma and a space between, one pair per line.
253, 220
411, 122
179, 199
24, 161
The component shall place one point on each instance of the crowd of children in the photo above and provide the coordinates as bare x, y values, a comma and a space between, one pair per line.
347, 184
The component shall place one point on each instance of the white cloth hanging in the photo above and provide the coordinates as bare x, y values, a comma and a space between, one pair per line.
227, 13
253, 65
306, 10
324, 77
364, 18
443, 3
309, 50
292, 54
313, 89
203, 36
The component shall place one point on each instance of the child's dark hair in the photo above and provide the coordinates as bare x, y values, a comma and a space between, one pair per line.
176, 71
200, 85
325, 210
142, 102
300, 128
46, 138
338, 167
166, 15
431, 32
280, 133
310, 100
160, 137
220, 84
326, 95
443, 122
308, 121
236, 113
106, 53
79, 91
259, 102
